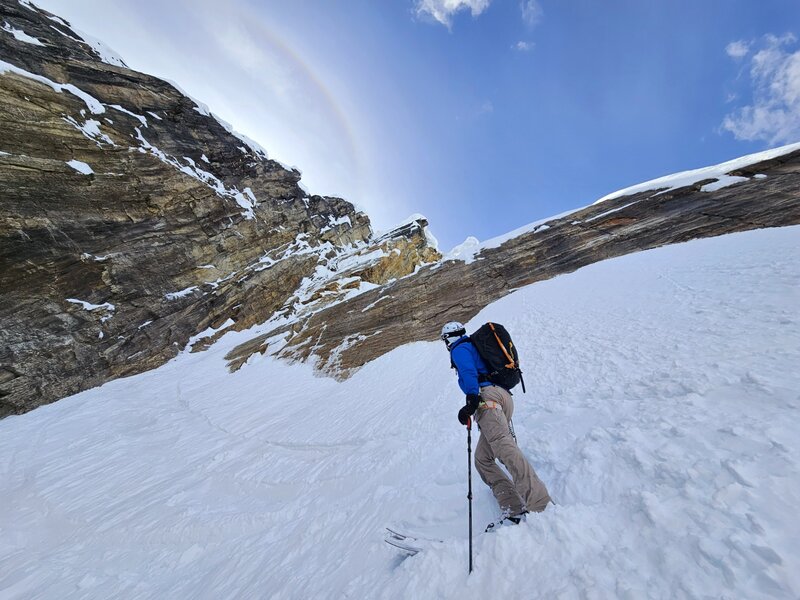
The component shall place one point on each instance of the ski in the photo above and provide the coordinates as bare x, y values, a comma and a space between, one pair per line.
410, 544
406, 548
407, 536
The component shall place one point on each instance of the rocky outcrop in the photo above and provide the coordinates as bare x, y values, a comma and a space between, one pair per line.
133, 222
347, 335
396, 254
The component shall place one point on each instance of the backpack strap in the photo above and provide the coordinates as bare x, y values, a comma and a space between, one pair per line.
511, 362
453, 347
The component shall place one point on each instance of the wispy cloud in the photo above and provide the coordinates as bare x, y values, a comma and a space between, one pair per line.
774, 115
738, 49
531, 12
443, 10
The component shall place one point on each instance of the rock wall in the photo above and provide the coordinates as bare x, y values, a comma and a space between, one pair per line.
132, 220
345, 336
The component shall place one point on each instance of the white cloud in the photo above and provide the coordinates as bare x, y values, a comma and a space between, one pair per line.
531, 12
738, 49
774, 115
524, 46
443, 10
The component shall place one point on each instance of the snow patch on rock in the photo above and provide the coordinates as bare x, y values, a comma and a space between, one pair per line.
92, 103
88, 306
102, 50
91, 129
21, 35
182, 293
140, 118
465, 251
80, 167
245, 199
687, 178
723, 182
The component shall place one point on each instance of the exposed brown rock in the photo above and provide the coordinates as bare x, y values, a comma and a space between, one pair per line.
405, 248
179, 227
413, 309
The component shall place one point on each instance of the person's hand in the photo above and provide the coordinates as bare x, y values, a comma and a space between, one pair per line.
473, 400
465, 413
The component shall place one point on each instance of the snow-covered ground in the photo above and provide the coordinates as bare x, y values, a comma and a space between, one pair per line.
662, 412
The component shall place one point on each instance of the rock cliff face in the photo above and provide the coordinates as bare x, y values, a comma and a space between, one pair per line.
765, 193
133, 222
133, 225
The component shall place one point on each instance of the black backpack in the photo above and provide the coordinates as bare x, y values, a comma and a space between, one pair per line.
493, 343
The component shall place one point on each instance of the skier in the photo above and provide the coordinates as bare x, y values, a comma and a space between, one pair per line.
494, 407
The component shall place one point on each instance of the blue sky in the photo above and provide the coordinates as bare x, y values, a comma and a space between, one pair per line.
483, 115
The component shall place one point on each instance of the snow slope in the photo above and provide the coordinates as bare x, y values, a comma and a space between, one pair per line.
662, 412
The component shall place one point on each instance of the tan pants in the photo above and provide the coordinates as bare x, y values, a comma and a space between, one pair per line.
526, 492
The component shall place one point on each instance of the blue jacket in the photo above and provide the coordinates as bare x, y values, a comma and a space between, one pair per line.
469, 365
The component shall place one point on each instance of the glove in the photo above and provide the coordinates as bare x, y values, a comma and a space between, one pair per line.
473, 400
465, 413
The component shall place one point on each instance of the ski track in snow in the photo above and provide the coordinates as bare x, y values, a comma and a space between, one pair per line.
662, 412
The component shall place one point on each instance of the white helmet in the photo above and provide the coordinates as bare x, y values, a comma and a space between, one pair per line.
452, 329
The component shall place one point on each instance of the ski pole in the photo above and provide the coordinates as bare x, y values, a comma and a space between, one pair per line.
469, 479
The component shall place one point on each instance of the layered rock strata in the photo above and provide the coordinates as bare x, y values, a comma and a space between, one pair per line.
132, 221
347, 335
